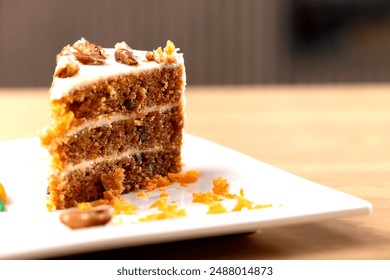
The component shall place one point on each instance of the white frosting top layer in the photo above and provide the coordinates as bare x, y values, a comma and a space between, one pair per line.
88, 74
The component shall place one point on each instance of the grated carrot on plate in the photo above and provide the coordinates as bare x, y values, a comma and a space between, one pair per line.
84, 206
120, 205
143, 194
158, 182
206, 198
164, 194
217, 208
221, 187
243, 202
189, 177
166, 211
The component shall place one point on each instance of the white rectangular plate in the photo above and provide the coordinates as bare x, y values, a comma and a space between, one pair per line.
28, 230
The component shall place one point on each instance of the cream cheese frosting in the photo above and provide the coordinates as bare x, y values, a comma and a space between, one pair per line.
87, 164
107, 120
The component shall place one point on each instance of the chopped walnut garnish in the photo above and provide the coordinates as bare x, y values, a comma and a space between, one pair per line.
88, 53
155, 55
66, 68
150, 56
169, 48
125, 56
86, 47
89, 58
167, 55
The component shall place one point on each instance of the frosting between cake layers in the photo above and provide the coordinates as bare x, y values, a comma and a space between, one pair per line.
91, 163
117, 117
88, 74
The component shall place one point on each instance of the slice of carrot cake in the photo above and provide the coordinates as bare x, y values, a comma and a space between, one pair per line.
117, 120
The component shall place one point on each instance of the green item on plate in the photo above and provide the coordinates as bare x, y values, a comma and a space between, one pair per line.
2, 205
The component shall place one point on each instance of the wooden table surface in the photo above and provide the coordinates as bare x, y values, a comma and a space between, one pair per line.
338, 136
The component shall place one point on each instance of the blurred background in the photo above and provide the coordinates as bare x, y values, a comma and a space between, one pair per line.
224, 41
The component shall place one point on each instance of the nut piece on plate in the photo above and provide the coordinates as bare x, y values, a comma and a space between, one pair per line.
96, 216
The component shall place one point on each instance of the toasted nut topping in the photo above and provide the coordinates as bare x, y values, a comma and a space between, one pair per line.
125, 56
169, 48
150, 56
88, 53
167, 55
86, 47
97, 216
169, 52
89, 58
66, 69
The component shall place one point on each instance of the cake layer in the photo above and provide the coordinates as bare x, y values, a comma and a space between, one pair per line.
152, 130
124, 94
135, 172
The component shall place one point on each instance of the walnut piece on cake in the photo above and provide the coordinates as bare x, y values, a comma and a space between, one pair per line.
166, 56
66, 68
125, 56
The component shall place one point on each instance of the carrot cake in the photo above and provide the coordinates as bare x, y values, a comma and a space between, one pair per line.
117, 120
